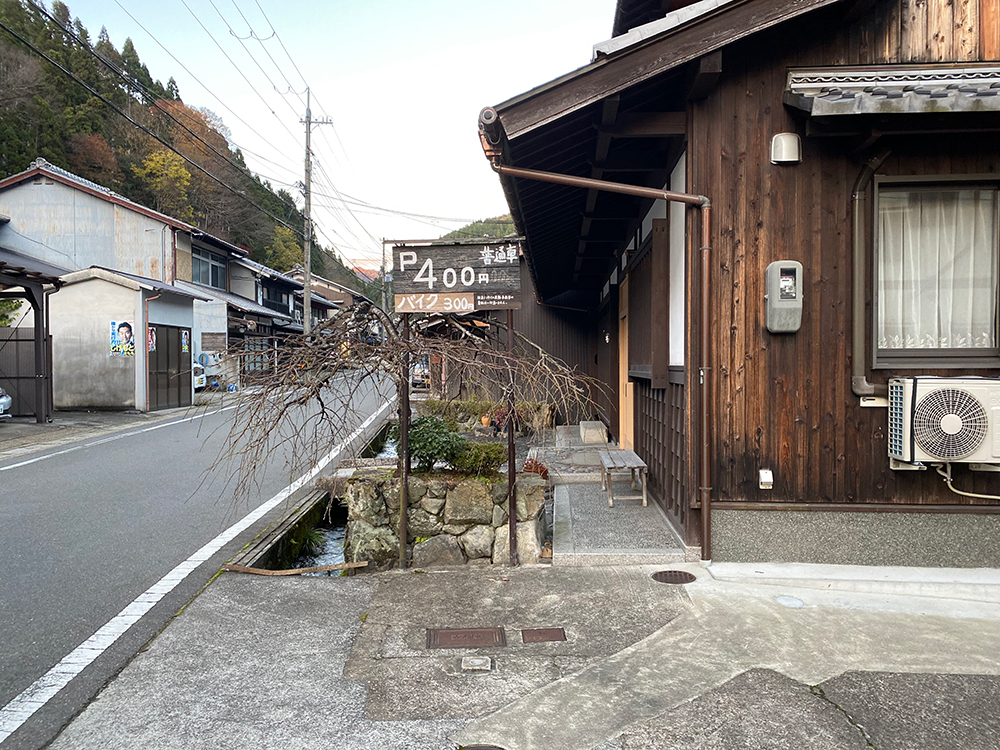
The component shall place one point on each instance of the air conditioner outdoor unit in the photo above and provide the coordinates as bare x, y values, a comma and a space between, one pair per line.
940, 420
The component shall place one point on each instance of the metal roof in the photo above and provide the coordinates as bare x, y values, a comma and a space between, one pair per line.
233, 300
24, 268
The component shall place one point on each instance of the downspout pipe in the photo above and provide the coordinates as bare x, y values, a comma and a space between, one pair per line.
860, 385
145, 343
490, 134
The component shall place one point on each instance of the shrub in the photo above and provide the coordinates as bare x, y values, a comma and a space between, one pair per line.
479, 459
430, 441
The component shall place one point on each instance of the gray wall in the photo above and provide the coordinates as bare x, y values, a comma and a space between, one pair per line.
84, 374
73, 229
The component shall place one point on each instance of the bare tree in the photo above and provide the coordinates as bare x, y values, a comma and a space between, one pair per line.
306, 400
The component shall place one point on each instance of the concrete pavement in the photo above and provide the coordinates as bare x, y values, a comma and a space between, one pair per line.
343, 663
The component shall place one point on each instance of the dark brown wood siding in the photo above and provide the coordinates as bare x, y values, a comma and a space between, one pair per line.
640, 293
563, 333
607, 362
783, 402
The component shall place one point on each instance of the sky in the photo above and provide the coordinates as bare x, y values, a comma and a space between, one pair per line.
402, 83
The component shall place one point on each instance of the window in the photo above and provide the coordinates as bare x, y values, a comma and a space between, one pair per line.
207, 268
275, 299
936, 287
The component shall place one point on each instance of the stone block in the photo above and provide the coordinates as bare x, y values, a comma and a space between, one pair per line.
378, 545
530, 493
365, 503
439, 550
530, 536
477, 542
498, 491
468, 502
437, 488
431, 504
421, 523
593, 432
499, 515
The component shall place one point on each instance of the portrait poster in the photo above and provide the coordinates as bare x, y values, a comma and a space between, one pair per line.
122, 339
185, 341
151, 339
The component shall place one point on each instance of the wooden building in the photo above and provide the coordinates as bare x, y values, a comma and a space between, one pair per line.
854, 148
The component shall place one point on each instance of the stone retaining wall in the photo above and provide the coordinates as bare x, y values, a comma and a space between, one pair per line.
450, 521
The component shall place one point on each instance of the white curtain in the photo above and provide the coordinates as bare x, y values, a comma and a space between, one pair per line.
937, 268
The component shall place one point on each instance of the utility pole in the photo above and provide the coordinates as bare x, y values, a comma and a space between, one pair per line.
307, 249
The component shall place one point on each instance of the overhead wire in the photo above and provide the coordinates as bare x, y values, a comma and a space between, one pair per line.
143, 90
201, 83
240, 71
139, 125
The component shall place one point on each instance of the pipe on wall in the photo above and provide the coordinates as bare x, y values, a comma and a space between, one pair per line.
491, 137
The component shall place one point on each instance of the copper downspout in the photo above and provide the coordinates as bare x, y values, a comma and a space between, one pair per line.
490, 137
145, 344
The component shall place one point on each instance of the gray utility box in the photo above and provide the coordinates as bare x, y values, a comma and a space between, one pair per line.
783, 298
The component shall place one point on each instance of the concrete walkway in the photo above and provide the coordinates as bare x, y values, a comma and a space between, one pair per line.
746, 656
343, 663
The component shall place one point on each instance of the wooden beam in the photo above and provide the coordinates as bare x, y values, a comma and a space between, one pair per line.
612, 75
704, 75
989, 29
648, 125
634, 161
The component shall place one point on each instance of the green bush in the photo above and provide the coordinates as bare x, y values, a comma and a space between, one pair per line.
430, 440
479, 459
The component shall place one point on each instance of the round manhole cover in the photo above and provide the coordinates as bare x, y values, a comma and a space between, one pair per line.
673, 576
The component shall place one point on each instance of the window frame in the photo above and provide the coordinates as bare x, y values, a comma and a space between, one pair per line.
214, 261
950, 359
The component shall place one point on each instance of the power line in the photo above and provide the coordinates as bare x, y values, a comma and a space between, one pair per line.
238, 70
200, 83
144, 90
139, 125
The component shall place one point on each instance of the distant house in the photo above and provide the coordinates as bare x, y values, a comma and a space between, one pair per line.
62, 219
850, 155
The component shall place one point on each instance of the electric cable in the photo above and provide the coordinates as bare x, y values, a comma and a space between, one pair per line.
139, 125
200, 83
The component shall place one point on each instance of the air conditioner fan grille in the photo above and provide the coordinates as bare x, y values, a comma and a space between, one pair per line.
940, 407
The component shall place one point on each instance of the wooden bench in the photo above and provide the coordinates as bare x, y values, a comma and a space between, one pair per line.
619, 461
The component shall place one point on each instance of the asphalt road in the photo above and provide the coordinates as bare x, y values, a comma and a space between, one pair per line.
86, 528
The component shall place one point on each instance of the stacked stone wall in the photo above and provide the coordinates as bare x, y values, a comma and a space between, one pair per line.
450, 521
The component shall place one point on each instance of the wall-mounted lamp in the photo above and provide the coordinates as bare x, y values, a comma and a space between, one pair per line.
766, 479
607, 337
786, 148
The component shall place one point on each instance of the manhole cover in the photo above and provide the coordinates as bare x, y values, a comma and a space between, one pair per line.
481, 747
673, 576
543, 635
465, 637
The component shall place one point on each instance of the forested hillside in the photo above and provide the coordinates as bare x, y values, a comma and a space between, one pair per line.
99, 113
499, 226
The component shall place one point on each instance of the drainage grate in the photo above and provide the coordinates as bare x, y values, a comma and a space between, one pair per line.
465, 637
673, 576
543, 635
481, 747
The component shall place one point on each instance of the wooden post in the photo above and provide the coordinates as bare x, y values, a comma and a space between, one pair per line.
404, 441
511, 468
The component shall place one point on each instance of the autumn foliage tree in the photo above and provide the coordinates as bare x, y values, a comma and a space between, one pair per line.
167, 179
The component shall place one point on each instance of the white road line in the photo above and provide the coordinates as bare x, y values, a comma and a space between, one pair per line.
20, 709
118, 436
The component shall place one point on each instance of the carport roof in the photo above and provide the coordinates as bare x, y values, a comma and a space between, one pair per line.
23, 267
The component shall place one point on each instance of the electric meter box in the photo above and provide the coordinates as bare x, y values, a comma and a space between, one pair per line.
783, 296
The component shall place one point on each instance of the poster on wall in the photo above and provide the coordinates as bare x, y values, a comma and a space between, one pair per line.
185, 341
122, 340
151, 339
